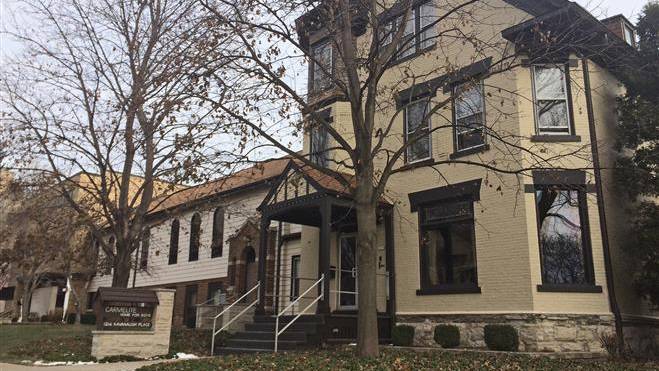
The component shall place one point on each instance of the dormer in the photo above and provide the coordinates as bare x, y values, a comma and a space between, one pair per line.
622, 27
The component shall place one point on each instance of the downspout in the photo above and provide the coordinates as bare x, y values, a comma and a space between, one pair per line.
608, 268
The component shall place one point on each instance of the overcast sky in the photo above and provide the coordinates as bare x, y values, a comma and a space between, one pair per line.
599, 8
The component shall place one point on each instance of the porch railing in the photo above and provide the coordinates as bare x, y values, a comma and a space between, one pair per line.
256, 288
296, 301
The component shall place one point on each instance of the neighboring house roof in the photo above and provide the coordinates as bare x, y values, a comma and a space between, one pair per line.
260, 173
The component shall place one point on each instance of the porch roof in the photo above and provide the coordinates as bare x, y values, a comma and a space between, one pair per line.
296, 197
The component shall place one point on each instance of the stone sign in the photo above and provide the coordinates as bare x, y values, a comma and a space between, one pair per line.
125, 309
127, 316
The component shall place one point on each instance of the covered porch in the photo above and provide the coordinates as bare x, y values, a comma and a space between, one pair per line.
323, 208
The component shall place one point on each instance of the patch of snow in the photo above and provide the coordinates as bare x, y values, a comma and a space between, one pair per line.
62, 363
185, 356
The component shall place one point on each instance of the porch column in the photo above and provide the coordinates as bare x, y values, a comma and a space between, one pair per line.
263, 250
389, 251
323, 306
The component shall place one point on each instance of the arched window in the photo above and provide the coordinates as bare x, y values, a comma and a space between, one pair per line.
195, 229
144, 253
218, 232
173, 242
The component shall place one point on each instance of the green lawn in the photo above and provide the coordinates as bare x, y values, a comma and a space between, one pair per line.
44, 341
344, 359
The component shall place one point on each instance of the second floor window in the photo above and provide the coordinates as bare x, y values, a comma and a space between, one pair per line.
551, 99
173, 242
218, 233
417, 130
321, 70
469, 118
319, 146
195, 230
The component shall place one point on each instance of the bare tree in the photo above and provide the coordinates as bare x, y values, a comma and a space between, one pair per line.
34, 240
102, 98
369, 66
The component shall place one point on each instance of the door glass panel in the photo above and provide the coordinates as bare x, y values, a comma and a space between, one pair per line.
348, 277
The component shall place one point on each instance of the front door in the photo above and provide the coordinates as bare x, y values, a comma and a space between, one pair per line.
348, 272
190, 309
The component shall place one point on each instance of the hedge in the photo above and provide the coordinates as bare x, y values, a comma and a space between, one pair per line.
448, 336
501, 337
402, 335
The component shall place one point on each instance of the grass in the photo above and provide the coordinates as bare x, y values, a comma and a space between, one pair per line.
57, 342
48, 342
344, 359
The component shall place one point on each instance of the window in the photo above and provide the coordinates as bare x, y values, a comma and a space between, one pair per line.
195, 229
629, 35
448, 248
295, 277
7, 293
321, 67
417, 129
215, 293
564, 248
218, 233
551, 99
419, 34
469, 118
144, 253
319, 145
173, 242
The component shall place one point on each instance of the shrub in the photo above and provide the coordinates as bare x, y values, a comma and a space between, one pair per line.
448, 336
85, 319
402, 335
501, 337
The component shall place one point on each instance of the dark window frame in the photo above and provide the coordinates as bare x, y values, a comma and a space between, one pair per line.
390, 24
195, 237
481, 86
217, 245
213, 286
175, 230
312, 51
424, 224
565, 66
587, 251
294, 290
406, 156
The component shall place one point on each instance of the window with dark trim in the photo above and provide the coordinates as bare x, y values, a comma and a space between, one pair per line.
7, 293
448, 246
295, 277
173, 242
565, 251
469, 115
144, 252
218, 233
417, 129
321, 70
318, 148
420, 31
195, 231
551, 94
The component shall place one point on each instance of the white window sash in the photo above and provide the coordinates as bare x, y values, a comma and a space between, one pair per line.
419, 130
554, 130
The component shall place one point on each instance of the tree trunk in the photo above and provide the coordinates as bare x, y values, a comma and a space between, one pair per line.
367, 321
122, 268
25, 306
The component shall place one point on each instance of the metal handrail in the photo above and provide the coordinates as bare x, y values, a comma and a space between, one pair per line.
257, 287
322, 294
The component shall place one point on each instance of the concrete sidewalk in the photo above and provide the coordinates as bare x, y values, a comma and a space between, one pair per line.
118, 366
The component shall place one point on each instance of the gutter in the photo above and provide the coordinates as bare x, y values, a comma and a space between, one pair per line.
608, 267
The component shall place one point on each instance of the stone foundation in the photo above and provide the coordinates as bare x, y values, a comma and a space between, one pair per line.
537, 332
140, 344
